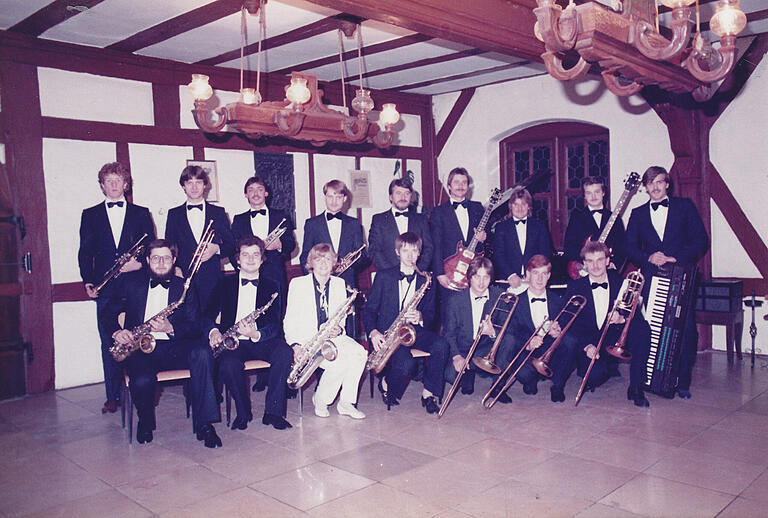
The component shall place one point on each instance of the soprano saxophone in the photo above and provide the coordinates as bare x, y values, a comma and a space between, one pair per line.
399, 333
229, 340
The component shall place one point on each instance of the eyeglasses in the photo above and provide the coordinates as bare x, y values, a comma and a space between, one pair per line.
167, 259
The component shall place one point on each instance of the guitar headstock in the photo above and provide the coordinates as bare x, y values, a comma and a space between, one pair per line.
632, 181
494, 200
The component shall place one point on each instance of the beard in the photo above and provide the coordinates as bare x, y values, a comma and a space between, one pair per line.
160, 277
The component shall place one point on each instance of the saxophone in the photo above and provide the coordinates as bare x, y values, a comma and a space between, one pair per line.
399, 333
229, 340
307, 357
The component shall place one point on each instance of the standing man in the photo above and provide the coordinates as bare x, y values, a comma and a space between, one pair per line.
392, 291
185, 226
386, 226
259, 221
667, 229
454, 222
107, 231
589, 221
178, 342
519, 238
238, 296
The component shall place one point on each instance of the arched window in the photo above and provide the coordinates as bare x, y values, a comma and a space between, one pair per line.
569, 151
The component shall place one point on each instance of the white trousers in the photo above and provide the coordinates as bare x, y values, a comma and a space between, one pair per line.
342, 373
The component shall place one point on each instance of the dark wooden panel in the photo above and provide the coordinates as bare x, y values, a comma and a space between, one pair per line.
166, 102
50, 15
453, 118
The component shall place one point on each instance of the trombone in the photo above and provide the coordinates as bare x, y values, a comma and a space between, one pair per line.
197, 257
114, 272
626, 302
487, 362
572, 309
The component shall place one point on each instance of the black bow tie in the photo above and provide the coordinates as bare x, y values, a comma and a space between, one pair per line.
519, 221
403, 214
255, 282
154, 283
595, 211
407, 276
329, 217
456, 204
663, 203
111, 204
538, 299
596, 285
481, 297
190, 207
254, 213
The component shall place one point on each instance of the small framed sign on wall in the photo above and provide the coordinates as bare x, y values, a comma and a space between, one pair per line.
210, 167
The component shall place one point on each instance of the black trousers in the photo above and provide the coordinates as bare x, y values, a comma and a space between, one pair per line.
194, 355
113, 371
231, 365
562, 362
483, 348
402, 365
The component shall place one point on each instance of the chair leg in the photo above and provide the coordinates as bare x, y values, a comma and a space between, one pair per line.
299, 398
371, 381
227, 403
129, 410
122, 405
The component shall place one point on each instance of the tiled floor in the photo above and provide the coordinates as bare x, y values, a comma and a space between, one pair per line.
704, 457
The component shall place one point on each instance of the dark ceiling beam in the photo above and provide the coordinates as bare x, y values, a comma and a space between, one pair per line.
307, 31
505, 27
466, 75
184, 22
50, 15
366, 51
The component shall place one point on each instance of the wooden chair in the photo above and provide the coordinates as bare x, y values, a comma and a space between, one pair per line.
251, 366
126, 406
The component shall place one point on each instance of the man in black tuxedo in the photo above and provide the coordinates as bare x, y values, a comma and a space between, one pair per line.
600, 288
342, 232
238, 296
107, 231
387, 225
467, 314
178, 342
668, 229
588, 222
519, 238
393, 290
185, 227
259, 221
454, 222
537, 305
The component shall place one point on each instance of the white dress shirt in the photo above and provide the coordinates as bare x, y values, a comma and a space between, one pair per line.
601, 297
462, 215
334, 229
246, 303
116, 216
402, 222
659, 219
521, 233
597, 216
478, 303
157, 300
260, 224
196, 219
406, 291
539, 310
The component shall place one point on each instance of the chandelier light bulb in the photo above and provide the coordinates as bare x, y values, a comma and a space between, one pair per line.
389, 114
297, 92
362, 103
199, 87
729, 19
250, 96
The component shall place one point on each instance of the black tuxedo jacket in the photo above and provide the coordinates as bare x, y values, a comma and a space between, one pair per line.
521, 326
177, 231
582, 226
133, 289
446, 232
316, 232
685, 237
226, 296
508, 258
274, 263
383, 303
97, 251
457, 328
584, 328
381, 239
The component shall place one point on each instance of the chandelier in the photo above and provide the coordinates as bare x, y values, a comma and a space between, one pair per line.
630, 49
302, 114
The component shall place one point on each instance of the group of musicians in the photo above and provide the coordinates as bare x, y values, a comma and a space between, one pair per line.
188, 321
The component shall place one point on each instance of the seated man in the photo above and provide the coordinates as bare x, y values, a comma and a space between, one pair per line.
600, 288
178, 345
536, 305
392, 294
467, 314
238, 296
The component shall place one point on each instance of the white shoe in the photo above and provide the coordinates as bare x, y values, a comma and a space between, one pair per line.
345, 408
320, 410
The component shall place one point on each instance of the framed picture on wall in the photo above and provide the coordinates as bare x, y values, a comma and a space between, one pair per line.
213, 176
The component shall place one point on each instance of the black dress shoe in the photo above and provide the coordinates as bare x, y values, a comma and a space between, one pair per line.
241, 423
430, 403
291, 393
504, 398
388, 399
638, 397
207, 434
557, 395
277, 422
259, 386
684, 393
531, 389
468, 383
143, 434
110, 407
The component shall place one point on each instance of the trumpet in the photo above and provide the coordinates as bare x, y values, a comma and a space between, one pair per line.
572, 309
132, 253
627, 301
276, 233
485, 363
229, 340
348, 260
197, 257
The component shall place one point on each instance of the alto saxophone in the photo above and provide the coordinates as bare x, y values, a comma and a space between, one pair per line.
309, 356
399, 333
347, 261
229, 340
276, 233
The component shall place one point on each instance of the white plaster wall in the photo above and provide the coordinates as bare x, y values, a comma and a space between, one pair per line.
638, 138
301, 187
77, 358
76, 95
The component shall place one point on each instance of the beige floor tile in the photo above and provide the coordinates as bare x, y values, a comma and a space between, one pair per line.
624, 452
501, 457
84, 393
654, 496
745, 422
436, 438
312, 485
108, 503
758, 405
40, 411
239, 503
261, 462
737, 446
603, 511
379, 460
376, 501
670, 432
744, 508
758, 490
452, 513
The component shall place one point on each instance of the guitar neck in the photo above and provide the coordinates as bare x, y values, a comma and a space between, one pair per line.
625, 196
480, 227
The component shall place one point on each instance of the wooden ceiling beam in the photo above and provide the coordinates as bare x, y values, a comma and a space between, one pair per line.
50, 15
465, 75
